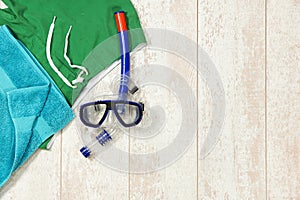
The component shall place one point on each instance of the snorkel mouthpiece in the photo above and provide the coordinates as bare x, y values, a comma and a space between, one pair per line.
85, 151
103, 138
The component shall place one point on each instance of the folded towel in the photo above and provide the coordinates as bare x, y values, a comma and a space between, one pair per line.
32, 107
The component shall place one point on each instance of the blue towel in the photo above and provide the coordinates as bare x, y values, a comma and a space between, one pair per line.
31, 105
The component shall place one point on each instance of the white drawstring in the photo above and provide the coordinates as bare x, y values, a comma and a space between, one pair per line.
79, 79
66, 56
48, 53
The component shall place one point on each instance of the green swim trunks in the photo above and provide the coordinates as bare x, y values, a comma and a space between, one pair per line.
92, 24
73, 40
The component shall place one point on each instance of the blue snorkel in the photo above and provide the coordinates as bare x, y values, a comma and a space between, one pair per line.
120, 107
125, 54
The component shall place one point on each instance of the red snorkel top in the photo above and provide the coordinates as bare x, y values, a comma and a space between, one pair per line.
121, 21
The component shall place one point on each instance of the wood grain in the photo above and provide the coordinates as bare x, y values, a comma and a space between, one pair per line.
233, 34
255, 46
178, 181
85, 178
283, 110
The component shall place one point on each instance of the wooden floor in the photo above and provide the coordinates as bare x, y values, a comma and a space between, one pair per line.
255, 46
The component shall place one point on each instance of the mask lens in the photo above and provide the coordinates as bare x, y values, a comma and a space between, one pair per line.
128, 113
92, 114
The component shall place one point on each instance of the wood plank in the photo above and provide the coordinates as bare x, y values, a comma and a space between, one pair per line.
179, 180
84, 178
283, 110
233, 35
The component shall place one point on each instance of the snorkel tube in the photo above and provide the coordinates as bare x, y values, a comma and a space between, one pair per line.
118, 106
125, 55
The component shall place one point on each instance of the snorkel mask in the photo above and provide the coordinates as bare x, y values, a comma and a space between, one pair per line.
128, 113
